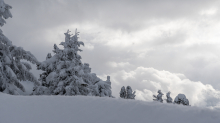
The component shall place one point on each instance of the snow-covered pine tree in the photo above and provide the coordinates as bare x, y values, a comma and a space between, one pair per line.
64, 73
104, 87
169, 99
159, 96
123, 92
130, 93
4, 12
12, 70
181, 99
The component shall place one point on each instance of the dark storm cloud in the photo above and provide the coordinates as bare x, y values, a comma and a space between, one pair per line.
126, 15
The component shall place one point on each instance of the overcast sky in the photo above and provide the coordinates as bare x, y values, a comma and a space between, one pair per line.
172, 45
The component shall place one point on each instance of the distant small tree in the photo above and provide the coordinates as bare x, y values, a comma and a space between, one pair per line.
181, 99
169, 99
123, 92
130, 93
159, 96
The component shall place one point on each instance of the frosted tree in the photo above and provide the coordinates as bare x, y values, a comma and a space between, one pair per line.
181, 99
159, 96
4, 12
123, 92
169, 99
65, 74
96, 86
104, 88
130, 94
12, 70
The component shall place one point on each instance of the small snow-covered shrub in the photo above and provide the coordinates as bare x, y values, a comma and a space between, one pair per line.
181, 99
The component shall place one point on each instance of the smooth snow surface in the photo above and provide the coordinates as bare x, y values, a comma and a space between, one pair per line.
87, 109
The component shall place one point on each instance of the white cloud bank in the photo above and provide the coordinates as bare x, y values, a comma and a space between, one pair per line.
146, 82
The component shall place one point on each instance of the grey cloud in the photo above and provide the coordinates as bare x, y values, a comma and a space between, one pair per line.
165, 39
125, 15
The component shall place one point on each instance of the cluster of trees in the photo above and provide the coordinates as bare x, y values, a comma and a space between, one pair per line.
63, 73
180, 98
128, 93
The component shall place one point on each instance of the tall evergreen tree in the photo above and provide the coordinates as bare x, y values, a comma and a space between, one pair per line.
65, 74
12, 70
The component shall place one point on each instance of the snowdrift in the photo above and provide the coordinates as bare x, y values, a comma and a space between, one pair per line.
85, 109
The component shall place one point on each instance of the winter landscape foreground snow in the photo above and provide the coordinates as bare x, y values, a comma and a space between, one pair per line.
88, 109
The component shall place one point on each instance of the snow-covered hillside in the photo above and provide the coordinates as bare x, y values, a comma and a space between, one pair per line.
86, 109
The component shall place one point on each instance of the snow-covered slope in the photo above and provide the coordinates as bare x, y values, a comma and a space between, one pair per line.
85, 109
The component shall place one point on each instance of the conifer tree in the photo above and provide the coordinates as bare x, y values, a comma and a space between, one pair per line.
130, 94
123, 93
181, 99
12, 70
158, 97
65, 74
169, 99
